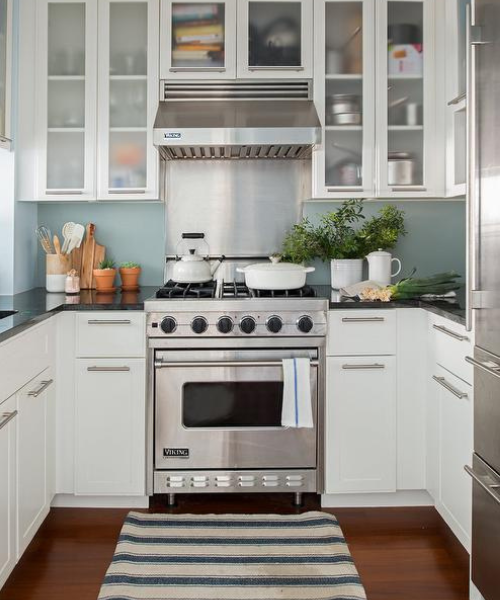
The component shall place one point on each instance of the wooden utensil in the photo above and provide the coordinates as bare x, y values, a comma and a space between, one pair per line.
92, 254
57, 244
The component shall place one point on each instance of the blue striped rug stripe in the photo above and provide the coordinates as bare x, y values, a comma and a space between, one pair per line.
214, 524
227, 541
233, 560
232, 581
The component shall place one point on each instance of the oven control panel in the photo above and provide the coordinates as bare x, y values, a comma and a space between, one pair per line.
241, 323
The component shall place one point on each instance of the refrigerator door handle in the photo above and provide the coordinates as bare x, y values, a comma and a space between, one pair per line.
488, 367
490, 488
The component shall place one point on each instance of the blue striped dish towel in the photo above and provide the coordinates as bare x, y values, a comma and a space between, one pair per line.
297, 406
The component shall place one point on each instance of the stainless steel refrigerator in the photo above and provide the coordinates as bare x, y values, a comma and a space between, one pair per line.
484, 287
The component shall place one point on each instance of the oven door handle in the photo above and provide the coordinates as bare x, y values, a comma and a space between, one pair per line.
160, 364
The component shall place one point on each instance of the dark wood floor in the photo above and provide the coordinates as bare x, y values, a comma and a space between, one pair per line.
401, 553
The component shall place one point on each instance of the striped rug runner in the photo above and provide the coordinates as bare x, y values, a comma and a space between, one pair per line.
226, 557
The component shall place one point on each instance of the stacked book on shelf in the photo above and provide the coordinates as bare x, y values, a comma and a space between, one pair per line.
198, 33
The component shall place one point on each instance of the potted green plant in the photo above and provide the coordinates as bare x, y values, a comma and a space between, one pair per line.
105, 276
129, 274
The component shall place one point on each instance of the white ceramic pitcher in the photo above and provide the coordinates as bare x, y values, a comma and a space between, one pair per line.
380, 267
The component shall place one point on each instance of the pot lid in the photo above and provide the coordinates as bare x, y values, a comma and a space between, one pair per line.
280, 267
192, 256
379, 252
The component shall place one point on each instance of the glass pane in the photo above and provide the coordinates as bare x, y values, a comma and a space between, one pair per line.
344, 94
66, 105
65, 160
128, 39
232, 404
406, 93
66, 52
3, 63
274, 33
198, 34
127, 159
128, 103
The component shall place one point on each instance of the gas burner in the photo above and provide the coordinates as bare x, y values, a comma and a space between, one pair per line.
187, 290
305, 292
235, 289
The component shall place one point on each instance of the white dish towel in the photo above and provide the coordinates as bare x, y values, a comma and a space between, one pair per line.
297, 407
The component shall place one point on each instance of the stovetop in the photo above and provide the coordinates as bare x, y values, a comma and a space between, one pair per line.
226, 290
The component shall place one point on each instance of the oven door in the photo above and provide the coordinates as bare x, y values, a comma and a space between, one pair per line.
222, 410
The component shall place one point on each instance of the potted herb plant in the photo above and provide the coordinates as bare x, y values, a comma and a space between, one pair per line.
129, 274
105, 276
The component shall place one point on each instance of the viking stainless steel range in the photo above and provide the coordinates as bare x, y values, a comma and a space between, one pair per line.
216, 390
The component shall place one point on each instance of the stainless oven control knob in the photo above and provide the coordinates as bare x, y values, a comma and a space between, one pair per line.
168, 325
305, 324
247, 325
225, 325
274, 324
199, 325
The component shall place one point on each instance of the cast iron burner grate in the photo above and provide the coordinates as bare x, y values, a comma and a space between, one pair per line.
233, 289
305, 292
187, 290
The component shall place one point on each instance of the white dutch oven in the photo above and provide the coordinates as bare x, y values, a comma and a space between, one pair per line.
275, 275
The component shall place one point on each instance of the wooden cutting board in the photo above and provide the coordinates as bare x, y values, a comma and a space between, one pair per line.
87, 258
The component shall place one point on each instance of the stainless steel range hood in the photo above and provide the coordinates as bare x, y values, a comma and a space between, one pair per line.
236, 120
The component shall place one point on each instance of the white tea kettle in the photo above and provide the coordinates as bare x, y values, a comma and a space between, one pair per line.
193, 267
380, 267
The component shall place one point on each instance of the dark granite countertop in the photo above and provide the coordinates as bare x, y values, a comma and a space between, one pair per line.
453, 309
34, 306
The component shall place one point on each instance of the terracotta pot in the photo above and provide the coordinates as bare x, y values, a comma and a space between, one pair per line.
104, 279
130, 277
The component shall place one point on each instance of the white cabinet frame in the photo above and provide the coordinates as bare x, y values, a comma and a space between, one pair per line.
167, 71
88, 192
431, 144
320, 189
5, 140
104, 192
305, 71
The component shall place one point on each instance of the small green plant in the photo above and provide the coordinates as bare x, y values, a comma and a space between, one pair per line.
107, 263
382, 231
129, 265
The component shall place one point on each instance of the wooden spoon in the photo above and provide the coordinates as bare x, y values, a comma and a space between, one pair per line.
57, 245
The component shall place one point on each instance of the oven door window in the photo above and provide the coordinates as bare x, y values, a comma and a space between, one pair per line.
232, 404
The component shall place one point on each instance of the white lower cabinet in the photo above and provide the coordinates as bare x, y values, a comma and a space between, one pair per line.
361, 424
33, 402
8, 504
110, 421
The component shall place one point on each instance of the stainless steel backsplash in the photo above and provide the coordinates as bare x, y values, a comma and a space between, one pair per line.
243, 207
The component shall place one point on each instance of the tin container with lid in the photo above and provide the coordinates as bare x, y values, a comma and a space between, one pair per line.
401, 168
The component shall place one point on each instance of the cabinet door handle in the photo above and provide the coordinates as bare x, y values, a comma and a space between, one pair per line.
270, 68
7, 417
109, 322
363, 319
452, 389
197, 69
125, 191
373, 367
108, 369
488, 488
458, 99
455, 336
489, 367
64, 192
44, 385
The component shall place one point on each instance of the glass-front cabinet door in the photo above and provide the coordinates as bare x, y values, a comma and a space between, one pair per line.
128, 99
66, 115
275, 38
406, 104
198, 39
345, 98
5, 60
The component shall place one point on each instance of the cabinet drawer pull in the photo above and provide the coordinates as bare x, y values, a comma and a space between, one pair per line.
457, 100
455, 336
363, 319
109, 322
7, 417
447, 386
41, 389
108, 369
373, 367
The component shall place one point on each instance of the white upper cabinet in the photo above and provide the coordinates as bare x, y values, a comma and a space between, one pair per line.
198, 39
66, 99
97, 66
128, 99
5, 70
275, 39
408, 155
344, 84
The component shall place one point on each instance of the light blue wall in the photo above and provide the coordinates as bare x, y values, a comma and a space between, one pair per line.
130, 232
435, 241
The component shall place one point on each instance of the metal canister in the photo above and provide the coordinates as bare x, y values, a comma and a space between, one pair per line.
401, 168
